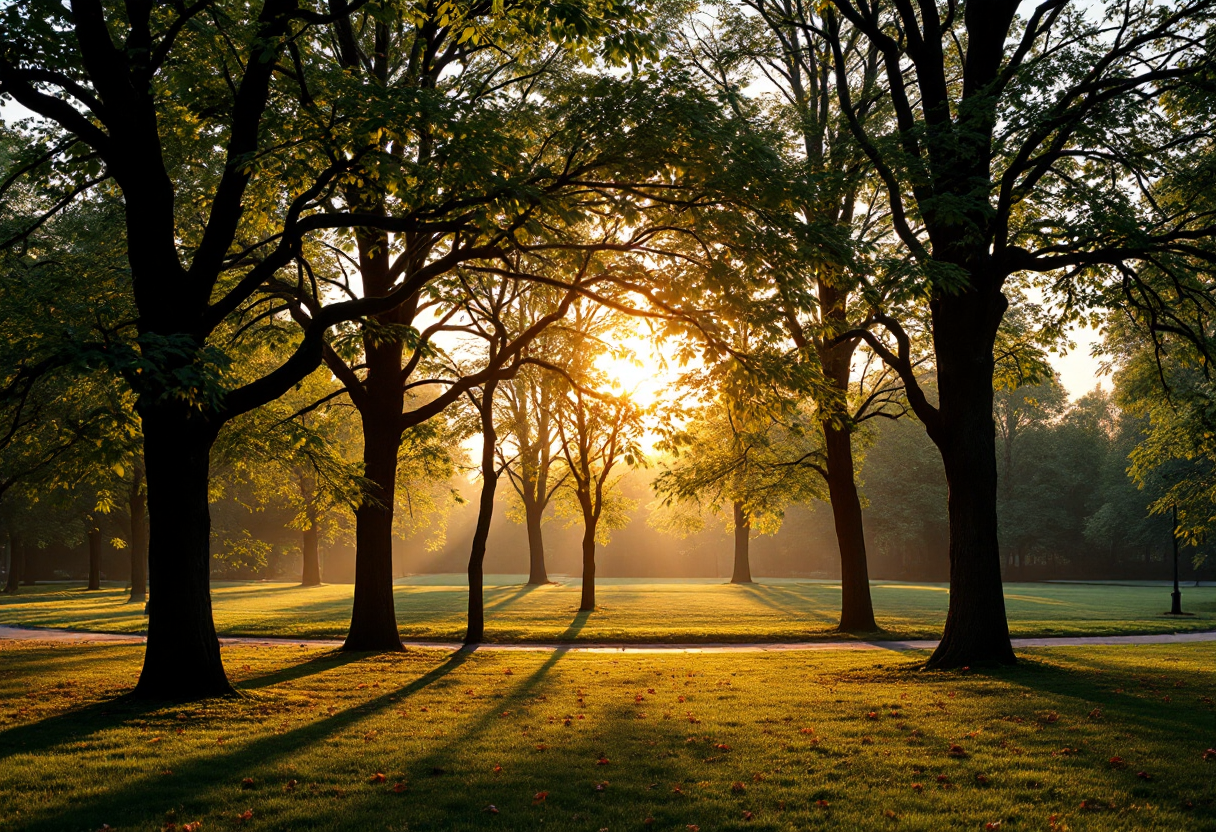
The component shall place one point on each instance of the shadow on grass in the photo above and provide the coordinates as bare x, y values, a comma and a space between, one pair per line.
191, 778
512, 598
317, 664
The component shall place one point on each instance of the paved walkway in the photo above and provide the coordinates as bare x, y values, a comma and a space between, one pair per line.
73, 636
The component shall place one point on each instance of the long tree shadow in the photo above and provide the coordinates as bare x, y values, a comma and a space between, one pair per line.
317, 664
764, 595
518, 695
512, 598
190, 777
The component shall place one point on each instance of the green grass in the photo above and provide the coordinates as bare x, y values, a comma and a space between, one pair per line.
462, 732
433, 607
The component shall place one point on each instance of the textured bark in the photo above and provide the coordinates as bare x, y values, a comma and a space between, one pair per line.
856, 608
373, 623
476, 629
182, 660
964, 334
16, 562
742, 573
94, 556
137, 511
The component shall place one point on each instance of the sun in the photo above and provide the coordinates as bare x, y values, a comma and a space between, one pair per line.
634, 369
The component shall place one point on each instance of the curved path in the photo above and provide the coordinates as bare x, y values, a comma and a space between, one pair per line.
69, 636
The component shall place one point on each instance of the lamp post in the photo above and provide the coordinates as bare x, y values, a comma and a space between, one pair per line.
1176, 596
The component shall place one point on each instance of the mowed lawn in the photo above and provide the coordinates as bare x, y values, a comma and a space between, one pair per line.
1107, 738
629, 610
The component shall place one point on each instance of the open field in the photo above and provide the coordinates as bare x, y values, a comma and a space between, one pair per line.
698, 741
630, 610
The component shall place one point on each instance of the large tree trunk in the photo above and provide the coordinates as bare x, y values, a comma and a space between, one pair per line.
964, 332
587, 603
94, 555
856, 608
137, 510
182, 660
743, 530
534, 516
16, 562
373, 622
485, 512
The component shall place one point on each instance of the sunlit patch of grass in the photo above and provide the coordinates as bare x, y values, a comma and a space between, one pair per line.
630, 610
574, 741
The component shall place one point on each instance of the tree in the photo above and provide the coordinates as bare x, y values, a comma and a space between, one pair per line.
528, 451
598, 431
832, 213
1012, 147
493, 312
745, 467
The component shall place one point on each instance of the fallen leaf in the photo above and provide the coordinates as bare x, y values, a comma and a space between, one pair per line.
918, 787
290, 785
378, 777
498, 769
1118, 762
822, 804
492, 809
398, 788
244, 816
1144, 775
539, 797
737, 787
996, 824
957, 751
748, 815
1210, 754
982, 779
247, 783
602, 761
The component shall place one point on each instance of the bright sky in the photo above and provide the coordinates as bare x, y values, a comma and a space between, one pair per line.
1079, 370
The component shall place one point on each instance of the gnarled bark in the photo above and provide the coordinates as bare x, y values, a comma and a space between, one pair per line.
182, 660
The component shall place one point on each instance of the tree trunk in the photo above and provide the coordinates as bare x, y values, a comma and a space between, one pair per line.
137, 509
94, 556
964, 332
743, 529
476, 629
534, 515
587, 603
856, 608
182, 660
312, 558
373, 622
16, 562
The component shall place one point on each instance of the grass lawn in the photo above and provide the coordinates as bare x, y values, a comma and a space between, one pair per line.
1108, 738
433, 607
